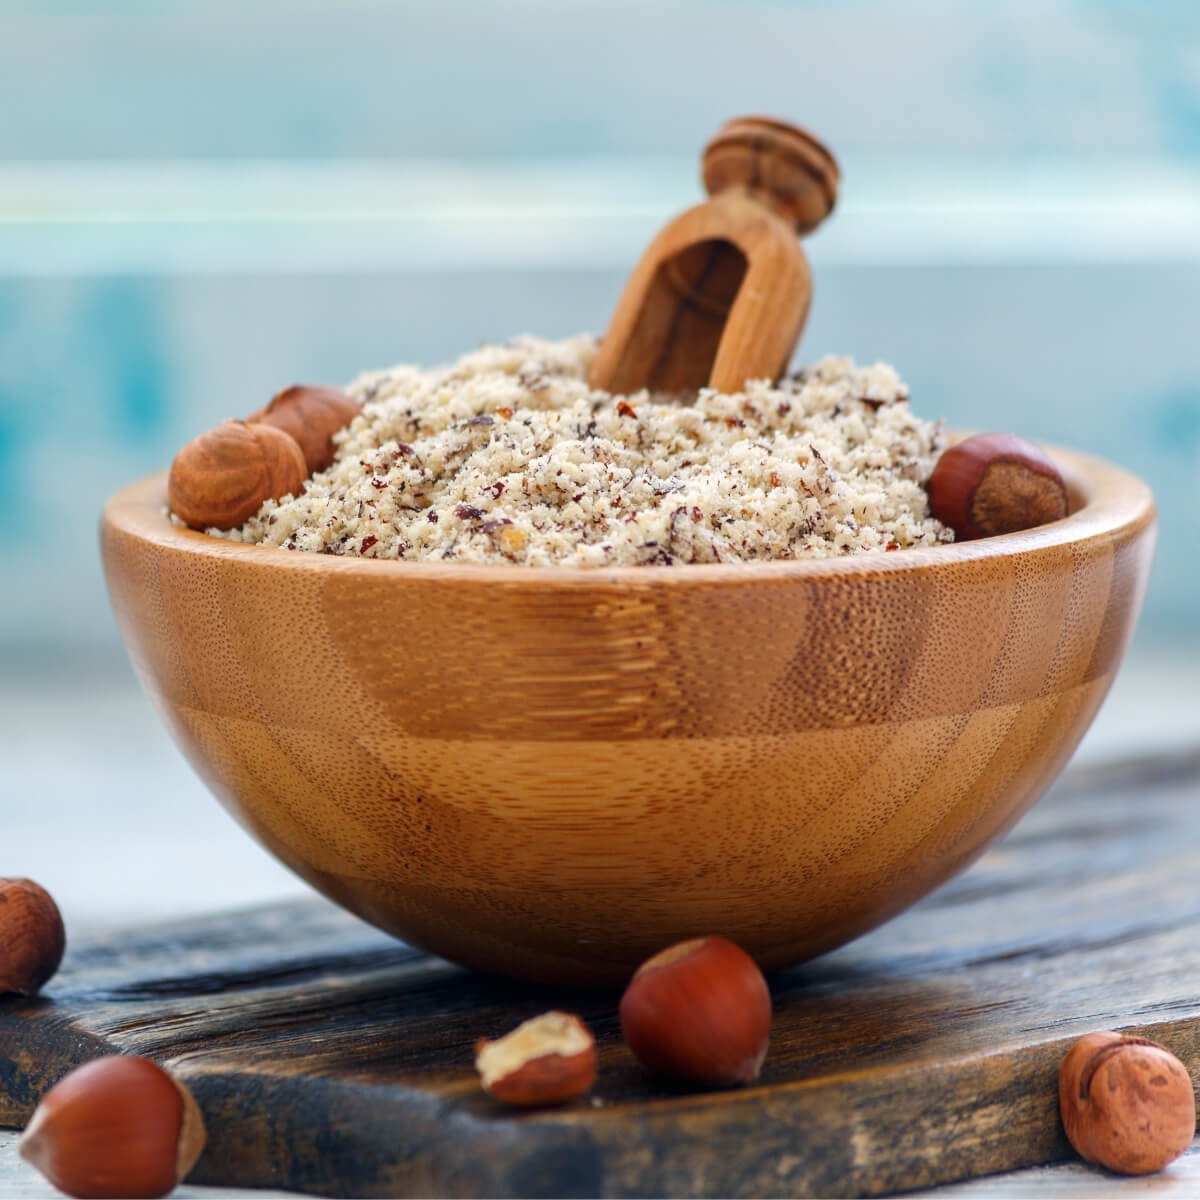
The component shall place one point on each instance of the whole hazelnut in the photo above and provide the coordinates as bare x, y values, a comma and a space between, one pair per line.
995, 483
312, 415
118, 1126
32, 937
546, 1060
221, 479
1126, 1103
699, 1011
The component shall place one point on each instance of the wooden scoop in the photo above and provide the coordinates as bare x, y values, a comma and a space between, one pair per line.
721, 294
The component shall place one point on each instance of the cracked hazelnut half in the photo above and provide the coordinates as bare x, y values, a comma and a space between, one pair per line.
312, 414
995, 483
118, 1126
546, 1060
1126, 1103
700, 1011
32, 937
221, 479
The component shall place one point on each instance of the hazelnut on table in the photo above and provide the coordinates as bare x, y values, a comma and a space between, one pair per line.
32, 937
1126, 1103
119, 1126
699, 1011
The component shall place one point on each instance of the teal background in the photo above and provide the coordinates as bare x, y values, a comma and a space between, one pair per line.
201, 202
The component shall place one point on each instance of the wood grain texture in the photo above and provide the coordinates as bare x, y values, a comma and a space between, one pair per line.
555, 773
722, 293
327, 1058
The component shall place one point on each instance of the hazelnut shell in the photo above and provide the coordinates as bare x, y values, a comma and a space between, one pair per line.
699, 1011
221, 479
995, 483
32, 937
312, 414
118, 1126
1126, 1103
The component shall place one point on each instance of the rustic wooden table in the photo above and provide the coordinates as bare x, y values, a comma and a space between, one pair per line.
166, 834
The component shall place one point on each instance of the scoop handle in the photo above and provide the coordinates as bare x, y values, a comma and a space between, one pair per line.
722, 293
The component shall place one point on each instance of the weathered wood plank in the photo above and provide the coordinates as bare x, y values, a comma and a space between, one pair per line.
328, 1058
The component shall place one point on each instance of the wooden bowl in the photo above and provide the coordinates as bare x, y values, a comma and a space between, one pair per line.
554, 773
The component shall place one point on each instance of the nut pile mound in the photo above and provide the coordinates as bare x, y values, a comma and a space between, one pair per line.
507, 457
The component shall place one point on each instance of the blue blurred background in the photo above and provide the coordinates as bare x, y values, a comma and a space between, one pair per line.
203, 201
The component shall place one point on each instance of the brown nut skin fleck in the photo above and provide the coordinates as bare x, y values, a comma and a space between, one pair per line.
312, 414
118, 1126
699, 1011
1126, 1103
536, 1073
221, 479
32, 937
995, 483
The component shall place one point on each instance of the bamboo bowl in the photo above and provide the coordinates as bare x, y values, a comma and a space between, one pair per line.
554, 773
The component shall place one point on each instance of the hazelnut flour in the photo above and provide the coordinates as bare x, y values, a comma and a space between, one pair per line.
506, 456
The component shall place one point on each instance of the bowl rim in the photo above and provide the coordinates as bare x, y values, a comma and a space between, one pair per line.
1107, 502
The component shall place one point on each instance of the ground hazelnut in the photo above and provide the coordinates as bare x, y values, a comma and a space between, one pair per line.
546, 1060
700, 1011
32, 938
995, 483
220, 479
1126, 1103
312, 415
512, 540
118, 1126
